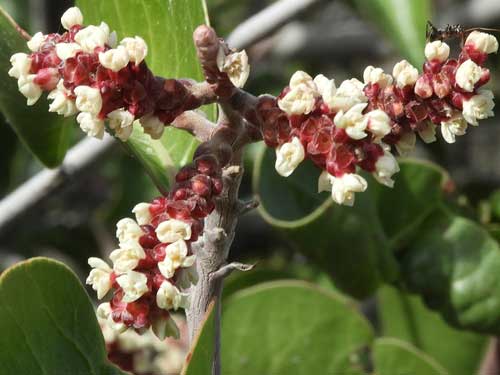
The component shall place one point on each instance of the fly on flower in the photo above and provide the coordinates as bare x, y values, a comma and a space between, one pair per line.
433, 33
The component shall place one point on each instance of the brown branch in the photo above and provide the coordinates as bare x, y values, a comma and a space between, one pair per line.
196, 124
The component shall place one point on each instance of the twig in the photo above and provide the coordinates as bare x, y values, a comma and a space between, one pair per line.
227, 269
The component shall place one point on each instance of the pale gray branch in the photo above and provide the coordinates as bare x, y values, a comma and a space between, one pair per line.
227, 269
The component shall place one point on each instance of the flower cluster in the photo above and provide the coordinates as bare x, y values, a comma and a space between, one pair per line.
87, 72
155, 261
356, 124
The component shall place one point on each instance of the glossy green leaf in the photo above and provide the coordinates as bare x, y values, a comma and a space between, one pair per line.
404, 316
395, 357
48, 323
45, 134
167, 28
291, 327
454, 264
403, 22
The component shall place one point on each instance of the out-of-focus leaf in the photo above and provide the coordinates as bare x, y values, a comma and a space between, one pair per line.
167, 28
48, 323
291, 327
404, 22
454, 264
45, 134
405, 317
392, 356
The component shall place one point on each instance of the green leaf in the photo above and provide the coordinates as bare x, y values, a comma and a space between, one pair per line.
45, 134
291, 327
405, 317
48, 323
395, 357
454, 264
167, 28
404, 22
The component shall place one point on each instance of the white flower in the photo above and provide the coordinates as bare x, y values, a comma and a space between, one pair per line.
134, 285
136, 47
404, 73
36, 41
91, 125
66, 50
302, 95
456, 125
300, 78
288, 156
468, 74
349, 93
406, 144
169, 297
483, 42
378, 123
29, 89
326, 88
21, 64
121, 121
385, 167
88, 99
92, 37
62, 104
113, 39
114, 59
103, 313
376, 75
173, 230
175, 257
128, 230
152, 126
437, 50
478, 107
352, 121
73, 16
99, 276
428, 132
127, 257
142, 214
342, 188
235, 65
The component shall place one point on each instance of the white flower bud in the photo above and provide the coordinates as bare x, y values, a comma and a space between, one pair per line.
326, 88
299, 100
21, 65
437, 50
175, 257
300, 78
136, 47
92, 37
29, 89
468, 74
91, 125
127, 257
121, 121
288, 157
428, 132
62, 104
134, 285
479, 107
128, 230
376, 75
114, 59
152, 126
378, 123
456, 125
349, 93
235, 65
66, 50
352, 121
99, 277
88, 99
142, 214
406, 144
36, 41
103, 313
169, 297
173, 230
73, 16
405, 74
385, 167
483, 42
342, 188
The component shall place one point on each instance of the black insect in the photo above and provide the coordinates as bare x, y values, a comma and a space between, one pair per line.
433, 33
